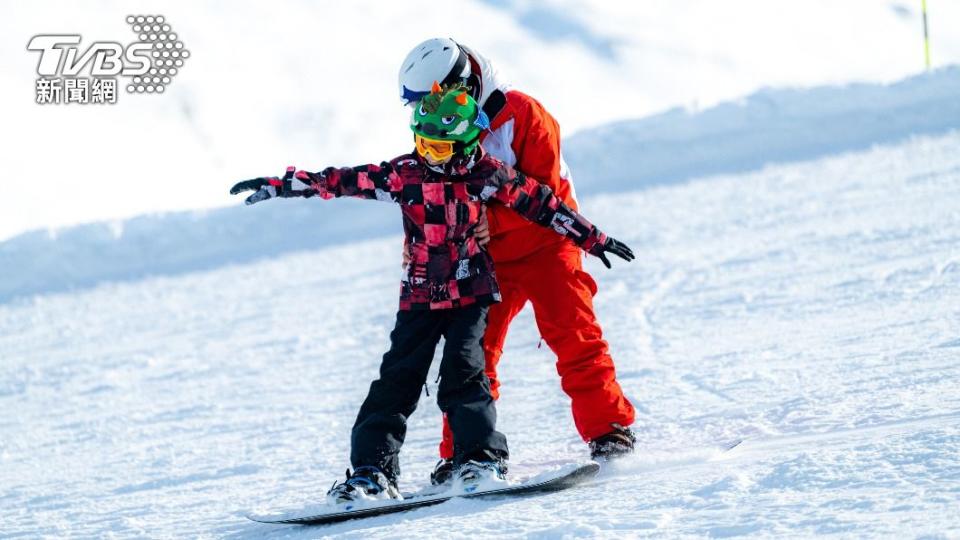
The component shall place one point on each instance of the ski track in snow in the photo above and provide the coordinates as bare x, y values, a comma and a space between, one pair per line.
809, 308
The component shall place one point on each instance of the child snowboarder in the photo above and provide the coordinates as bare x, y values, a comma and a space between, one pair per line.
448, 286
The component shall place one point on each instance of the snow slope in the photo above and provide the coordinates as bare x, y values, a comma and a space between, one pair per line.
809, 308
767, 127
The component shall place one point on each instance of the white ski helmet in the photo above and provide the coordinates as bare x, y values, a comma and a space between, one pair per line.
437, 59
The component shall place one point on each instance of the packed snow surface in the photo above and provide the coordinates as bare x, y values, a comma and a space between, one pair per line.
808, 308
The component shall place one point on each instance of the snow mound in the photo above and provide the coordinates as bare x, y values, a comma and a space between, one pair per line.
76, 257
770, 126
766, 127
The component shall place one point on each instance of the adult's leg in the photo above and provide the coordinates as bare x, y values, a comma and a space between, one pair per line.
499, 317
562, 296
381, 424
464, 393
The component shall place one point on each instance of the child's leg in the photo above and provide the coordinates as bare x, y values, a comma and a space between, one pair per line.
464, 393
381, 424
499, 317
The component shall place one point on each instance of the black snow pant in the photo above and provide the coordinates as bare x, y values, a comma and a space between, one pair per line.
464, 393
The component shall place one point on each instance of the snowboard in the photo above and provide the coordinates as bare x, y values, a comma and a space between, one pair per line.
564, 478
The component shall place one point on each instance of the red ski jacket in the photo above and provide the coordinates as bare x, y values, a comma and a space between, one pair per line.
448, 268
525, 136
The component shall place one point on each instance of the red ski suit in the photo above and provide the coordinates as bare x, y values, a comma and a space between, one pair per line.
536, 265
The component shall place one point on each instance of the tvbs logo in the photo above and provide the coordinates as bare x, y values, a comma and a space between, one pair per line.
107, 57
148, 64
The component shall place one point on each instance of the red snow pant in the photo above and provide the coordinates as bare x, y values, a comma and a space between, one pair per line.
553, 280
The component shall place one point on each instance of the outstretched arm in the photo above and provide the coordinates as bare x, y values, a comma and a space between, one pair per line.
379, 182
537, 203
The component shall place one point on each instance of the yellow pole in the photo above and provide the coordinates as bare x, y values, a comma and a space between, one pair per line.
926, 36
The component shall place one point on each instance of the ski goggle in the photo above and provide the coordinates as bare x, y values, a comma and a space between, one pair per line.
433, 148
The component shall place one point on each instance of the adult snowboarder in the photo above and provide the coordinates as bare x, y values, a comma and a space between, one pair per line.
532, 265
449, 284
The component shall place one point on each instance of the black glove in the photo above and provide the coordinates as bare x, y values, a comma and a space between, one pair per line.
611, 245
269, 187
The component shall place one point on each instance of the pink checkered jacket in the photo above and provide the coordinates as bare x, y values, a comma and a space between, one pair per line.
448, 268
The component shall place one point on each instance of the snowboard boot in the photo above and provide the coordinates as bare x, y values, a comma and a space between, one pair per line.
442, 473
617, 443
480, 469
365, 483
